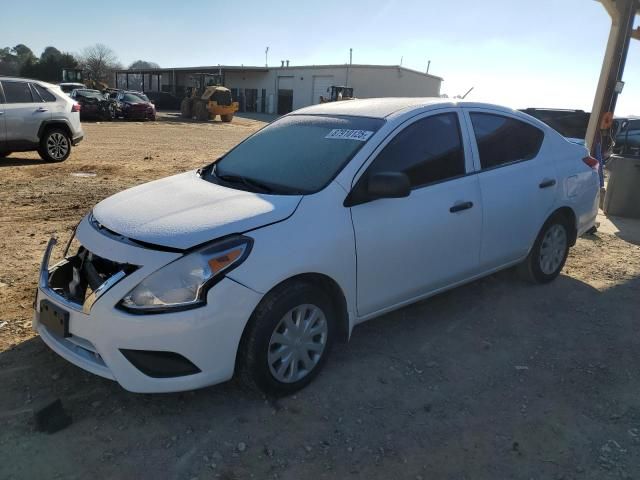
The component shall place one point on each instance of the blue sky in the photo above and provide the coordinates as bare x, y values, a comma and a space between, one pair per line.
514, 52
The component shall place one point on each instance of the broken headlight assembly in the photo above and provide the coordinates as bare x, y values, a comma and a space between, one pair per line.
184, 283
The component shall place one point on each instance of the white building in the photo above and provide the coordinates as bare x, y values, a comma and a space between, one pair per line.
282, 89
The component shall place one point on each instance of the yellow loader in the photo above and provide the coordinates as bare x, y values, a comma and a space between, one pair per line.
215, 100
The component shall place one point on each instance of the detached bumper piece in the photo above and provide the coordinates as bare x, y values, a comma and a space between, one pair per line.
160, 364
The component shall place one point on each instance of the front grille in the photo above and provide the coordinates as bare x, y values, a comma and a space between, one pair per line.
81, 275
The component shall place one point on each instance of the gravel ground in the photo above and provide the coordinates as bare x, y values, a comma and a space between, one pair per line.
494, 380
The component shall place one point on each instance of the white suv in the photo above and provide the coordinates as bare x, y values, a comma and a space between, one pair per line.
38, 116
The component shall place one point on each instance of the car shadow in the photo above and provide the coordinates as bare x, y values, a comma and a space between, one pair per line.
469, 360
20, 162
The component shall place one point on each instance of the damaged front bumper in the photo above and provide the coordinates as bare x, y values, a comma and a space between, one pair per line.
138, 351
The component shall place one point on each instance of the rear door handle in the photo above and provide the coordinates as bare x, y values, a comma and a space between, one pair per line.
458, 207
547, 183
41, 109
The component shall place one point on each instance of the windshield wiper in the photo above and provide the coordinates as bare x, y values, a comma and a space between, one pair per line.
248, 182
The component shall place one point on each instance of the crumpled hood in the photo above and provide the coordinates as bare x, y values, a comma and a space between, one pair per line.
183, 211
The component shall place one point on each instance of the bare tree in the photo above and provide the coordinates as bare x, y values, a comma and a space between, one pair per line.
99, 61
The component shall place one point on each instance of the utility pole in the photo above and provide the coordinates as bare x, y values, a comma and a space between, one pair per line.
266, 57
348, 66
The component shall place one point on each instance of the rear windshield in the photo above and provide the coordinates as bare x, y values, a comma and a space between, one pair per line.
89, 94
297, 153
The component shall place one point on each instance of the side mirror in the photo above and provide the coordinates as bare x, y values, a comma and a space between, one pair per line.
388, 185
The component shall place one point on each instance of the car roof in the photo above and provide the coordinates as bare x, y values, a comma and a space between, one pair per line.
22, 79
384, 107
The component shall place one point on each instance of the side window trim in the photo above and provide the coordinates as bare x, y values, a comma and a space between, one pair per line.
467, 111
464, 139
35, 95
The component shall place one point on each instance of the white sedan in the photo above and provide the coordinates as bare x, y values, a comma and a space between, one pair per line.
327, 217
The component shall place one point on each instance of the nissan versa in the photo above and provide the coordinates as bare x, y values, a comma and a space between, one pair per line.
327, 217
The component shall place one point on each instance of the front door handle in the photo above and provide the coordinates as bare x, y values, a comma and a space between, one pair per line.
41, 109
548, 183
458, 207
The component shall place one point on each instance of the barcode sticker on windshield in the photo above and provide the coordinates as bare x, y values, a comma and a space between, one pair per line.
345, 134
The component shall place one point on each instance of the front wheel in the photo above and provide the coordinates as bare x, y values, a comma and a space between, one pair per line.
549, 252
55, 146
288, 339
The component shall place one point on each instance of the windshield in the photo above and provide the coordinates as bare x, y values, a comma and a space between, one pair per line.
135, 98
297, 153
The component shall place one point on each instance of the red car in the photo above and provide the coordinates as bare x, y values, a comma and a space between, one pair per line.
134, 106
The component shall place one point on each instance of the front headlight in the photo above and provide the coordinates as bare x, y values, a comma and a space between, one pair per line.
184, 282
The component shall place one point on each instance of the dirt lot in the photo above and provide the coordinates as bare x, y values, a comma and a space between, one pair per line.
494, 380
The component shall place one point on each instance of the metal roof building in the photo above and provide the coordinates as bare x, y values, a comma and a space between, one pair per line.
286, 88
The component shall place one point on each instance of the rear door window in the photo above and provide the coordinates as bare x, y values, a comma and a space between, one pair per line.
428, 151
44, 94
503, 140
17, 92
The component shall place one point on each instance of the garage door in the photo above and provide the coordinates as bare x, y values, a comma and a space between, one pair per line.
320, 85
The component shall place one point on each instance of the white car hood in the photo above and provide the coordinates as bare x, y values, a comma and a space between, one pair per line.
184, 210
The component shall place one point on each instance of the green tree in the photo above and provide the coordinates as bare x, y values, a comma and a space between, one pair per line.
49, 66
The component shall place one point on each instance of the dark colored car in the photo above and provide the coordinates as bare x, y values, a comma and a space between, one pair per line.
94, 104
134, 106
628, 138
572, 124
164, 100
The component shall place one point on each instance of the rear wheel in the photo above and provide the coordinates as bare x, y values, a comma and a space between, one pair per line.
226, 118
288, 339
549, 252
201, 112
55, 146
185, 108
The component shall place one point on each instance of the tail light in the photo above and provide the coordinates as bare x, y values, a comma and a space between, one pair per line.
591, 162
75, 107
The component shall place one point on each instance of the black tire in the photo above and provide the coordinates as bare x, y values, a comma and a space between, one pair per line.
201, 112
109, 113
186, 108
533, 268
226, 118
54, 136
253, 360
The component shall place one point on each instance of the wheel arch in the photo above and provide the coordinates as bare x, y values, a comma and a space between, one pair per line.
329, 286
49, 124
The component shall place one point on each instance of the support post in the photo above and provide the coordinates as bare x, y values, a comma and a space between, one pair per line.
622, 14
